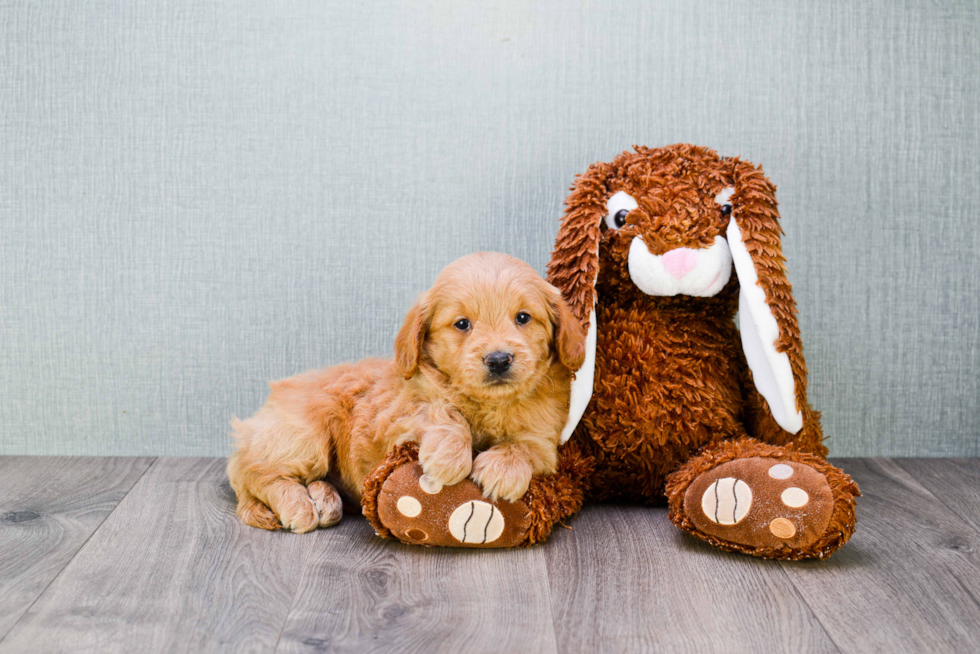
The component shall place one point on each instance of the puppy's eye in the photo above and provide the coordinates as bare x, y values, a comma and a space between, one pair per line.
726, 209
618, 207
523, 318
462, 324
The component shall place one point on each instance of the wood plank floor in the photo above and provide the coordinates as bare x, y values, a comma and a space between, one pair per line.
127, 555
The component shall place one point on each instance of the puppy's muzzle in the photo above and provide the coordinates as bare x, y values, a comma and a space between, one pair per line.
498, 363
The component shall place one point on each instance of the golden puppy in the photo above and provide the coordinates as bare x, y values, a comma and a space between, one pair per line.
483, 362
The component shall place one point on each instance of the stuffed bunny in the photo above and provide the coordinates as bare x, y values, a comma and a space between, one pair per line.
657, 252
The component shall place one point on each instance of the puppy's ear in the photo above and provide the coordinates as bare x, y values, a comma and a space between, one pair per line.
411, 338
766, 308
569, 332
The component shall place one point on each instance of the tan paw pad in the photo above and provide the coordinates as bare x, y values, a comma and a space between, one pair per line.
726, 501
794, 497
780, 471
408, 506
417, 535
782, 528
476, 522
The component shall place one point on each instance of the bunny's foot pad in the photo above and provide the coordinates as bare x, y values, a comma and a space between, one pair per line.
419, 512
761, 502
411, 508
770, 506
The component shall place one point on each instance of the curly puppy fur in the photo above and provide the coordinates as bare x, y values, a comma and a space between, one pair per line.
440, 391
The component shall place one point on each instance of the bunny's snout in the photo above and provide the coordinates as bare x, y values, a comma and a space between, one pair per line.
681, 271
680, 261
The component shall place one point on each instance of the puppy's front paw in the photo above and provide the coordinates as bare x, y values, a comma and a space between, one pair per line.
502, 473
446, 457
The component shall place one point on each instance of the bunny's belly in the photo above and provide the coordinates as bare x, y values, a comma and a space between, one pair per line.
666, 384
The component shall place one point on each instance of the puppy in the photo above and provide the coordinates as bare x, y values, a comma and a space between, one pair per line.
483, 362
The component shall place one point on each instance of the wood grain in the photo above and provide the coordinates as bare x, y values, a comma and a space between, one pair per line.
171, 570
362, 594
625, 579
49, 507
954, 482
909, 579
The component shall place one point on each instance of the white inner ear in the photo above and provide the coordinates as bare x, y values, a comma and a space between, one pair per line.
771, 371
582, 384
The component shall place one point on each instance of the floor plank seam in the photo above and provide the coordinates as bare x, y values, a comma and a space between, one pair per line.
551, 599
13, 627
966, 590
292, 601
956, 510
796, 589
941, 500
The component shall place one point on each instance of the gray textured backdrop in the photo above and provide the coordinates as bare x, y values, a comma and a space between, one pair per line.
196, 197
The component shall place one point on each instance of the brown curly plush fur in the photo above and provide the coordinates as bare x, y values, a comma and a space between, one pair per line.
402, 454
552, 499
670, 373
670, 376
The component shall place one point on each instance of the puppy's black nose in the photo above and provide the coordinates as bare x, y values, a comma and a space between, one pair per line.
498, 362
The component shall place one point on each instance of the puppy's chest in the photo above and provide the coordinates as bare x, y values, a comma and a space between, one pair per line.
490, 427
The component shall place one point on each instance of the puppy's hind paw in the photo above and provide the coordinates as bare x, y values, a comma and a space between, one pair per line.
327, 501
256, 514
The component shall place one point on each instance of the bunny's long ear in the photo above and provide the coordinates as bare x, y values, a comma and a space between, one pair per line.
574, 269
766, 309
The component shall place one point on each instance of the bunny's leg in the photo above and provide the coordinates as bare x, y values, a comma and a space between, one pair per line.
766, 500
401, 503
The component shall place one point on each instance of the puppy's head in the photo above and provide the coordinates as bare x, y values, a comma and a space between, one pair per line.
492, 326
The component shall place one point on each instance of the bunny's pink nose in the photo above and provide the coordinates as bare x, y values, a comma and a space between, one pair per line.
680, 261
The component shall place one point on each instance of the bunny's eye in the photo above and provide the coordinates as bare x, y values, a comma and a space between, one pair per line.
724, 200
618, 208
